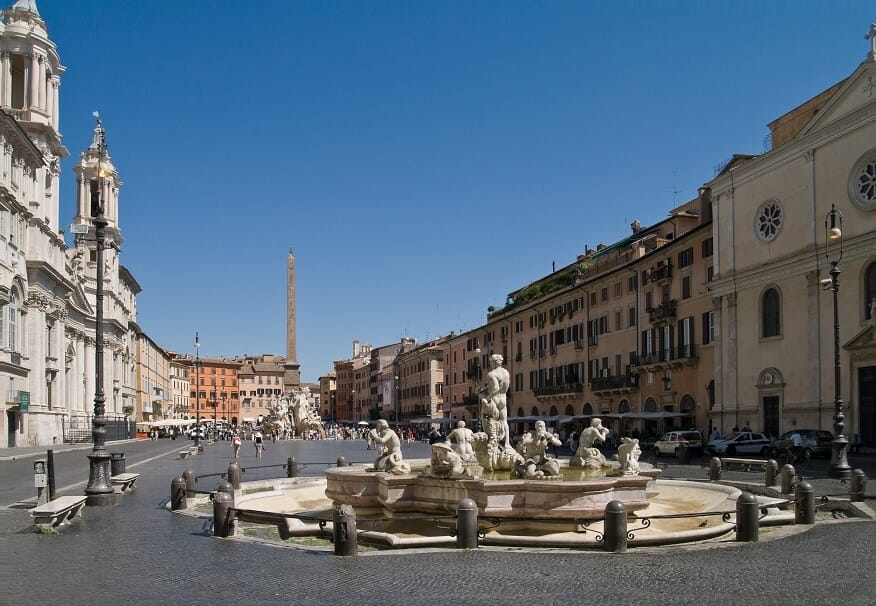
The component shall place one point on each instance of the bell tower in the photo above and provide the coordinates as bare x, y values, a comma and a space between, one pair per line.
30, 76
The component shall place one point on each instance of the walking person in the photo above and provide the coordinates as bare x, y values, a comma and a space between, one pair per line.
235, 444
259, 444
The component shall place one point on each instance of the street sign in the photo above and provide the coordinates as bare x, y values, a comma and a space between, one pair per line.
24, 400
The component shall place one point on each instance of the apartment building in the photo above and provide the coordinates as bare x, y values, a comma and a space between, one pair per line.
419, 383
153, 399
180, 388
352, 385
328, 397
261, 384
216, 389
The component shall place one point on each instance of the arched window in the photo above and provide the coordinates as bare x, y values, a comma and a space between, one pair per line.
650, 405
588, 409
771, 314
553, 411
569, 410
11, 318
870, 291
535, 412
623, 407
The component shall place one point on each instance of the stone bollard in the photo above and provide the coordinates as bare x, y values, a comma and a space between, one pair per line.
342, 462
683, 455
467, 524
292, 468
804, 504
234, 475
178, 494
771, 471
191, 479
344, 530
222, 505
227, 488
857, 485
615, 533
715, 469
788, 475
747, 517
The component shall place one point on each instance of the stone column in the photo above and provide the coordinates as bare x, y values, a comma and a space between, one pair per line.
33, 81
5, 79
56, 84
42, 82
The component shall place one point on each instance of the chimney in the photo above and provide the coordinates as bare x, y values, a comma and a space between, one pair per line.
355, 348
636, 226
600, 247
705, 204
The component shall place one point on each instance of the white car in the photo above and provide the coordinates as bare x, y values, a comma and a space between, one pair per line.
744, 442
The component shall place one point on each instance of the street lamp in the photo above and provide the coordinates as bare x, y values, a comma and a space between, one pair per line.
833, 224
332, 397
198, 393
396, 401
99, 490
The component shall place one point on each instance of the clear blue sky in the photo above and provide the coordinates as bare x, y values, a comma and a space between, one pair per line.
422, 159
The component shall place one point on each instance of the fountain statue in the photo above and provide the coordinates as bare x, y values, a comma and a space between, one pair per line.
536, 462
304, 416
461, 463
389, 449
464, 438
628, 456
587, 454
492, 446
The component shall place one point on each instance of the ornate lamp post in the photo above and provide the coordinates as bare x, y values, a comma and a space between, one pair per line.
99, 490
833, 224
332, 397
198, 393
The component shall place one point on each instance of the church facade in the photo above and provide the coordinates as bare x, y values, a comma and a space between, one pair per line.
47, 287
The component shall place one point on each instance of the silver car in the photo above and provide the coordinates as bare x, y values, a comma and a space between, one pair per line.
743, 442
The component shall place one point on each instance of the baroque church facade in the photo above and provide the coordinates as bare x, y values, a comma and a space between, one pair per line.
47, 286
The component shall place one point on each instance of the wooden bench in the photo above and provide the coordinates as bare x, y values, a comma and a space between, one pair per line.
730, 463
125, 480
60, 511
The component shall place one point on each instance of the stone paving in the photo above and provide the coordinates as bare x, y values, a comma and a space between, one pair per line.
139, 550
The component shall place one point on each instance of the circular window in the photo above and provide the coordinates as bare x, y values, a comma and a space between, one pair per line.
768, 220
862, 182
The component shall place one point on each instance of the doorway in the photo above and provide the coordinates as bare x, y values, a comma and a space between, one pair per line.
867, 399
11, 428
770, 407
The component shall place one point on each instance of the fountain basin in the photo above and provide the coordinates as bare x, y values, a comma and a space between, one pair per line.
385, 495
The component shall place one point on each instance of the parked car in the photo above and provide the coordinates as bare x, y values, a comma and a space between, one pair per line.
671, 441
817, 441
743, 442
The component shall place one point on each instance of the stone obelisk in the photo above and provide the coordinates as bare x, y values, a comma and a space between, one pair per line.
291, 369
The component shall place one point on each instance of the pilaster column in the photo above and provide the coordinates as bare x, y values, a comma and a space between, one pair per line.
5, 79
813, 337
33, 81
731, 365
56, 84
41, 83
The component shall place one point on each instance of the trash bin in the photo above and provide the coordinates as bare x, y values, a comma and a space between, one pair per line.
683, 455
117, 463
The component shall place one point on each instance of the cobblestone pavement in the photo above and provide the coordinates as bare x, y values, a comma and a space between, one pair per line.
138, 550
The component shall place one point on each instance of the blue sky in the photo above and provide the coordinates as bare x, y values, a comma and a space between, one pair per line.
422, 159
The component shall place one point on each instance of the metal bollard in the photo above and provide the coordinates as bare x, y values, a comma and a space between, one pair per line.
342, 462
291, 468
747, 518
615, 535
467, 524
857, 485
771, 471
683, 455
788, 475
222, 505
715, 469
234, 475
190, 478
344, 530
178, 494
227, 488
804, 504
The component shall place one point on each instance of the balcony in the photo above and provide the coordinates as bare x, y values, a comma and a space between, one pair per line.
619, 384
560, 390
668, 357
663, 313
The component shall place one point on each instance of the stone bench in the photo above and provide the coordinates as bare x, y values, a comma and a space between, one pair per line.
730, 463
184, 454
60, 511
124, 480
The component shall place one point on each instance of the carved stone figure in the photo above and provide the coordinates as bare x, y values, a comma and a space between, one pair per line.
533, 448
494, 404
389, 446
628, 455
464, 438
302, 415
445, 463
491, 455
587, 454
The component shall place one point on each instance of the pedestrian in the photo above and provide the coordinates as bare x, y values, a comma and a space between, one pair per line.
259, 445
235, 444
